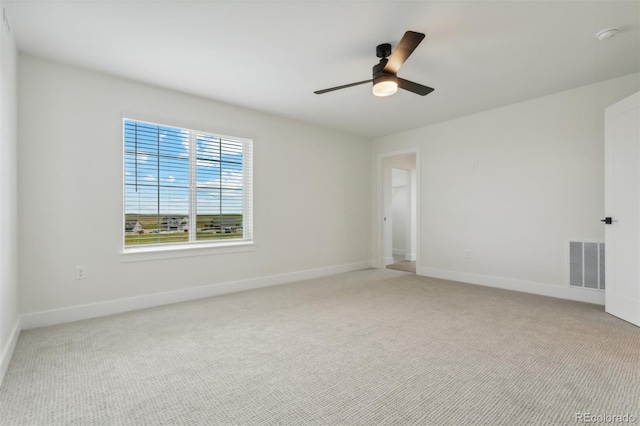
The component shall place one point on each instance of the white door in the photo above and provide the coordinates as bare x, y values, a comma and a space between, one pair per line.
622, 208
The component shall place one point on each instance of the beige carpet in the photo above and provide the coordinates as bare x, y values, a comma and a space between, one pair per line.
363, 348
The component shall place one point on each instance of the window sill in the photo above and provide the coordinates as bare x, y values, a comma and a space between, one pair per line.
186, 250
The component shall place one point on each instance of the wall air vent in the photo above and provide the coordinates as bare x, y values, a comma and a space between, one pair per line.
586, 264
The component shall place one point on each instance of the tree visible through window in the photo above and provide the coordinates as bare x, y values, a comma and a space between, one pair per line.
183, 186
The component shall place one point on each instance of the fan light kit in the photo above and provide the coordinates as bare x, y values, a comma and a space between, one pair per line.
385, 80
607, 34
386, 85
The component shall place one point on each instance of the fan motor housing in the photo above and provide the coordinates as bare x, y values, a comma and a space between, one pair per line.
378, 69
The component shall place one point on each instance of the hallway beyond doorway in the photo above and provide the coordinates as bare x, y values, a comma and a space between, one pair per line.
400, 264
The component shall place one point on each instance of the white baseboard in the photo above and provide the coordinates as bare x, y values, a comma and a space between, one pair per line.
388, 260
561, 292
9, 347
99, 309
402, 252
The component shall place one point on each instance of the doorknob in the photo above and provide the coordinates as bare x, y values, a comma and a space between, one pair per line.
607, 220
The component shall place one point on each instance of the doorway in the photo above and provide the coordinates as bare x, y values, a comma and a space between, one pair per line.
400, 218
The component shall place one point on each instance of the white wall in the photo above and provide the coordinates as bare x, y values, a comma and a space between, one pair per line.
9, 312
537, 184
312, 188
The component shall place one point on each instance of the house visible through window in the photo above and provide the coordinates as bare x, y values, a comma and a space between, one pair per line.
183, 186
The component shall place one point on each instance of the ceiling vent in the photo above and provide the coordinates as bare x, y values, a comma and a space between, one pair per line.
607, 34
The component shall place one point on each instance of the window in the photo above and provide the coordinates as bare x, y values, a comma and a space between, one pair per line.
182, 186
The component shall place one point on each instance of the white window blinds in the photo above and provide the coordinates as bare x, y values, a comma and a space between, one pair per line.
183, 186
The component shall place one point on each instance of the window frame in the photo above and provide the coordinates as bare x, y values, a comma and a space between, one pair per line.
193, 247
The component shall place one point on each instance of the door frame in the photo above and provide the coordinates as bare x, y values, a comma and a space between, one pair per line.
379, 223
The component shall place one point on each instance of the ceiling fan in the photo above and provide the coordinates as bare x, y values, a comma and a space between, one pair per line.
385, 81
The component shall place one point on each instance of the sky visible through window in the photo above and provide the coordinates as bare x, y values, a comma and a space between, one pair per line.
157, 168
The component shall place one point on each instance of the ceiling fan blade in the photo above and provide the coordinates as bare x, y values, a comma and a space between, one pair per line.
405, 48
320, 92
416, 88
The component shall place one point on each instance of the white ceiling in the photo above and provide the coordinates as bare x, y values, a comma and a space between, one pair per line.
272, 55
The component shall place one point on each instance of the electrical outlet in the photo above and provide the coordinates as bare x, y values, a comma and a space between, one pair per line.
474, 163
467, 254
318, 249
81, 272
